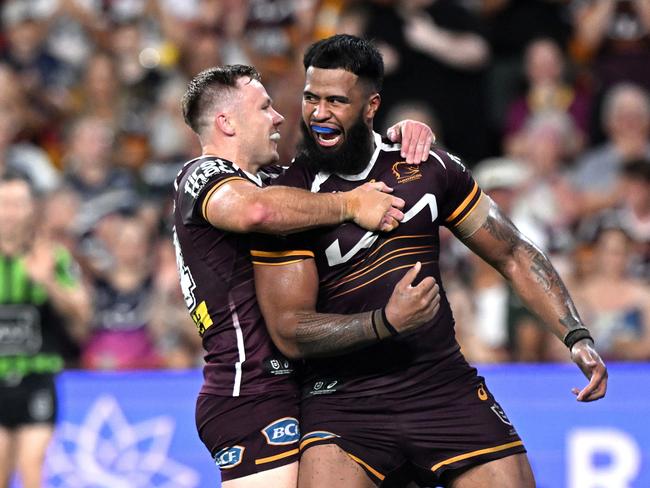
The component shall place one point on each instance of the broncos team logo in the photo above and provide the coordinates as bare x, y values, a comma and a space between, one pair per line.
405, 172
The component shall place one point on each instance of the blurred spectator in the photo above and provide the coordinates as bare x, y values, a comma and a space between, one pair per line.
434, 51
42, 77
511, 26
634, 213
547, 91
100, 92
626, 119
616, 306
276, 33
503, 180
176, 337
612, 39
44, 309
90, 172
414, 110
550, 199
60, 214
123, 295
23, 157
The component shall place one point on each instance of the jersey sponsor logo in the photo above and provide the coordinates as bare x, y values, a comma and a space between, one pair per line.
405, 172
201, 175
335, 256
498, 411
229, 457
278, 367
282, 432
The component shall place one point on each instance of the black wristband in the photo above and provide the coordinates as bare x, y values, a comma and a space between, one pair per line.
381, 326
575, 335
374, 324
387, 324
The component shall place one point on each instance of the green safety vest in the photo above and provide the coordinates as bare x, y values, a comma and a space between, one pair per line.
29, 326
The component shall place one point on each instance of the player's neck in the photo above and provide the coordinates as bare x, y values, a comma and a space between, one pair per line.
230, 153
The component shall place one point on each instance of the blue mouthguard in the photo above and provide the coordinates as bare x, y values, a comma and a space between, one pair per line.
323, 130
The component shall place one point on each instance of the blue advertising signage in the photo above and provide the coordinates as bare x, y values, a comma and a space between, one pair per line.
136, 429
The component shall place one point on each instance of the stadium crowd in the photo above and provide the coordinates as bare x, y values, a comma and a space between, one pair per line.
546, 100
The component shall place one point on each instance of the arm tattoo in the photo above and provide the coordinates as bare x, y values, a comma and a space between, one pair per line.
328, 334
502, 229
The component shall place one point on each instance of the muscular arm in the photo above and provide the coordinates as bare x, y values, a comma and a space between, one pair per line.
535, 280
240, 206
288, 294
527, 269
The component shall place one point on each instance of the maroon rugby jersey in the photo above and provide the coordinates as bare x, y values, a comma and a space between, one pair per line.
216, 278
358, 271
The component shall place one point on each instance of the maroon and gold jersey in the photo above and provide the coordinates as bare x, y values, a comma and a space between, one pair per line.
358, 270
216, 278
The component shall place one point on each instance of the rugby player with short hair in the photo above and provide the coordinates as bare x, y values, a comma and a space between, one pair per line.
247, 410
412, 400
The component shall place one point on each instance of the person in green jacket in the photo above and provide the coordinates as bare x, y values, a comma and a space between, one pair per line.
42, 302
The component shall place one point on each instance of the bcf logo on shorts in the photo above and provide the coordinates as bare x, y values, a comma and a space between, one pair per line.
229, 457
282, 431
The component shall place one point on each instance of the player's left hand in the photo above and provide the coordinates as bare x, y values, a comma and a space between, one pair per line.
416, 139
589, 361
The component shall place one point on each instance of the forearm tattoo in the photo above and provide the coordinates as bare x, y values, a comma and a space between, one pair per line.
329, 334
502, 229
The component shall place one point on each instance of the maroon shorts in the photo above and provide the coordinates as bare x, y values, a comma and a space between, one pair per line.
436, 433
247, 435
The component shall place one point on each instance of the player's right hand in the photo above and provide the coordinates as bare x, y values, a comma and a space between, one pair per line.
370, 206
410, 306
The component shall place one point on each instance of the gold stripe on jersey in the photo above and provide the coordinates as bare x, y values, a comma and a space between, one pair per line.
282, 455
280, 254
469, 211
464, 204
215, 188
382, 260
279, 258
367, 466
378, 277
480, 452
362, 271
428, 236
306, 442
279, 263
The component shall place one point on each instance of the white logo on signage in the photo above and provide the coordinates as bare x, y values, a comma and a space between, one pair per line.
106, 451
585, 445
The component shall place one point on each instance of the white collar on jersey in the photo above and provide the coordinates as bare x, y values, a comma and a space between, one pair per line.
255, 178
322, 177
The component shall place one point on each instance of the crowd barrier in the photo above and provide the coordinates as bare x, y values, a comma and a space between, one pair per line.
136, 429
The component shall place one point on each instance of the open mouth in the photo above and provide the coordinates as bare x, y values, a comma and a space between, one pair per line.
326, 136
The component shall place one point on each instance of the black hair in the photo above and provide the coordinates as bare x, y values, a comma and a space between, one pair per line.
637, 169
353, 54
203, 90
10, 175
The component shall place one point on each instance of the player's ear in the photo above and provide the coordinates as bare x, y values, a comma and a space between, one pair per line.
374, 101
224, 123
